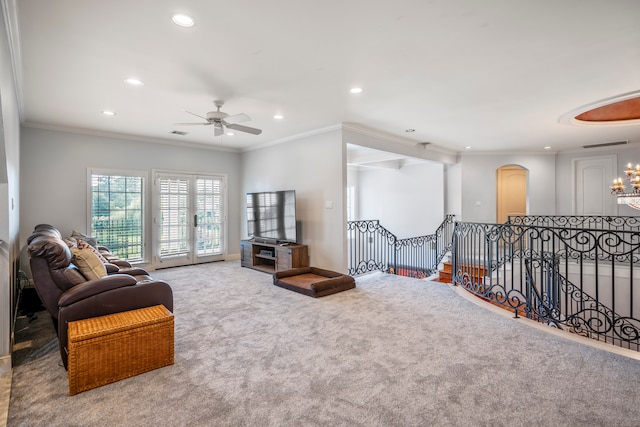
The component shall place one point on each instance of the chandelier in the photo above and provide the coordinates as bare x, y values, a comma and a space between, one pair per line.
631, 198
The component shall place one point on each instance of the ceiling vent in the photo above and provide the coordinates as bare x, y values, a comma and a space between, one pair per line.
178, 132
606, 144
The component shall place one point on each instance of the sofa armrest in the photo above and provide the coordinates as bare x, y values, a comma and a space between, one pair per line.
120, 263
94, 287
132, 271
111, 268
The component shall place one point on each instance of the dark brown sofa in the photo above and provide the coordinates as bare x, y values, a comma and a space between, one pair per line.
68, 295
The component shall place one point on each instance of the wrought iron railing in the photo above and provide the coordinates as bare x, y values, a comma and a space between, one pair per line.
595, 222
582, 313
580, 279
612, 233
372, 247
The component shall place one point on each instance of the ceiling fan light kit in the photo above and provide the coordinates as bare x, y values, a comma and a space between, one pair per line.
220, 120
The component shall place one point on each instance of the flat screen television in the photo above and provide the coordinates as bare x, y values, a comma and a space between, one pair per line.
271, 216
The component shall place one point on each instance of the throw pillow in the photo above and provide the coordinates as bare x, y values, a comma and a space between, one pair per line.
85, 245
81, 236
88, 263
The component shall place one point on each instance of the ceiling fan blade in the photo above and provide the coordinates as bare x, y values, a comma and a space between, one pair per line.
217, 131
236, 118
194, 114
247, 129
191, 124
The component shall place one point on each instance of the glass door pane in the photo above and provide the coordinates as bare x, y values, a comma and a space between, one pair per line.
175, 225
190, 219
210, 217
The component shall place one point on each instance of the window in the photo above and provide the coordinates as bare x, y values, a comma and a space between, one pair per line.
117, 213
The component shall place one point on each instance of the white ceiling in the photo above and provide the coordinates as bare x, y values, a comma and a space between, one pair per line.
492, 74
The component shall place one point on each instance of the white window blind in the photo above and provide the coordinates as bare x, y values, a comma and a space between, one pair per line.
174, 216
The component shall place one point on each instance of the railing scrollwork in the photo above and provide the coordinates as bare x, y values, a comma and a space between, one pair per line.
578, 279
374, 248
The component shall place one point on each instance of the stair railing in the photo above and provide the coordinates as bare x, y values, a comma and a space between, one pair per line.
593, 222
584, 280
371, 247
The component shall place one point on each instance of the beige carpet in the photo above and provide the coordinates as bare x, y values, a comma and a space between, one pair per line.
392, 352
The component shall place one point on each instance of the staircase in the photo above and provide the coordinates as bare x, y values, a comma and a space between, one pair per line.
477, 273
446, 274
371, 247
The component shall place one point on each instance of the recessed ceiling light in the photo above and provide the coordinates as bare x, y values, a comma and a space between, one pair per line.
230, 133
467, 147
409, 130
278, 117
182, 20
108, 113
356, 90
134, 82
548, 147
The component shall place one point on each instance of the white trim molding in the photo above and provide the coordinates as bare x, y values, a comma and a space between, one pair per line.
569, 118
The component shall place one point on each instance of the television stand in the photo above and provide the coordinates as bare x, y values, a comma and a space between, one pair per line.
272, 257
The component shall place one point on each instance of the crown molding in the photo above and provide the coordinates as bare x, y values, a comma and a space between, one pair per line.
10, 12
569, 118
104, 134
408, 147
353, 127
308, 134
359, 129
507, 153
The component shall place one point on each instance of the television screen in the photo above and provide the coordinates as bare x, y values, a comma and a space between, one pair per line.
272, 216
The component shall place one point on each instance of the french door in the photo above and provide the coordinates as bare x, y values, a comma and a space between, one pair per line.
190, 220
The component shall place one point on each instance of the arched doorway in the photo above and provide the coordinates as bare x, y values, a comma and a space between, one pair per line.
511, 192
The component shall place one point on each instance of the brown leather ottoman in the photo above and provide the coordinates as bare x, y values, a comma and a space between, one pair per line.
312, 281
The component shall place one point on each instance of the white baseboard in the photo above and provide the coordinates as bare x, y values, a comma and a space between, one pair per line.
5, 364
232, 257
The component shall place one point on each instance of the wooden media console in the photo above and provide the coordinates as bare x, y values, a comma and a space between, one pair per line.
269, 258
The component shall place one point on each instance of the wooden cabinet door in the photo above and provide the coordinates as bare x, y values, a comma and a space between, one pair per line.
283, 258
246, 254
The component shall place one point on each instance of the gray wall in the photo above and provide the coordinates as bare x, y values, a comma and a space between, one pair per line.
409, 201
54, 175
315, 168
478, 183
625, 154
453, 190
9, 193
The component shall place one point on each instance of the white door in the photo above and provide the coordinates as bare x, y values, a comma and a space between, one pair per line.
512, 192
190, 219
592, 178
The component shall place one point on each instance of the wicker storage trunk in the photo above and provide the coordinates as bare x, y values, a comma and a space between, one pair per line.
109, 348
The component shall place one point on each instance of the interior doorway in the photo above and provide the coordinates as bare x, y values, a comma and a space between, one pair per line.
592, 177
511, 192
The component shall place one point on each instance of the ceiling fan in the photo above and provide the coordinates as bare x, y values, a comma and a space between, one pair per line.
220, 120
